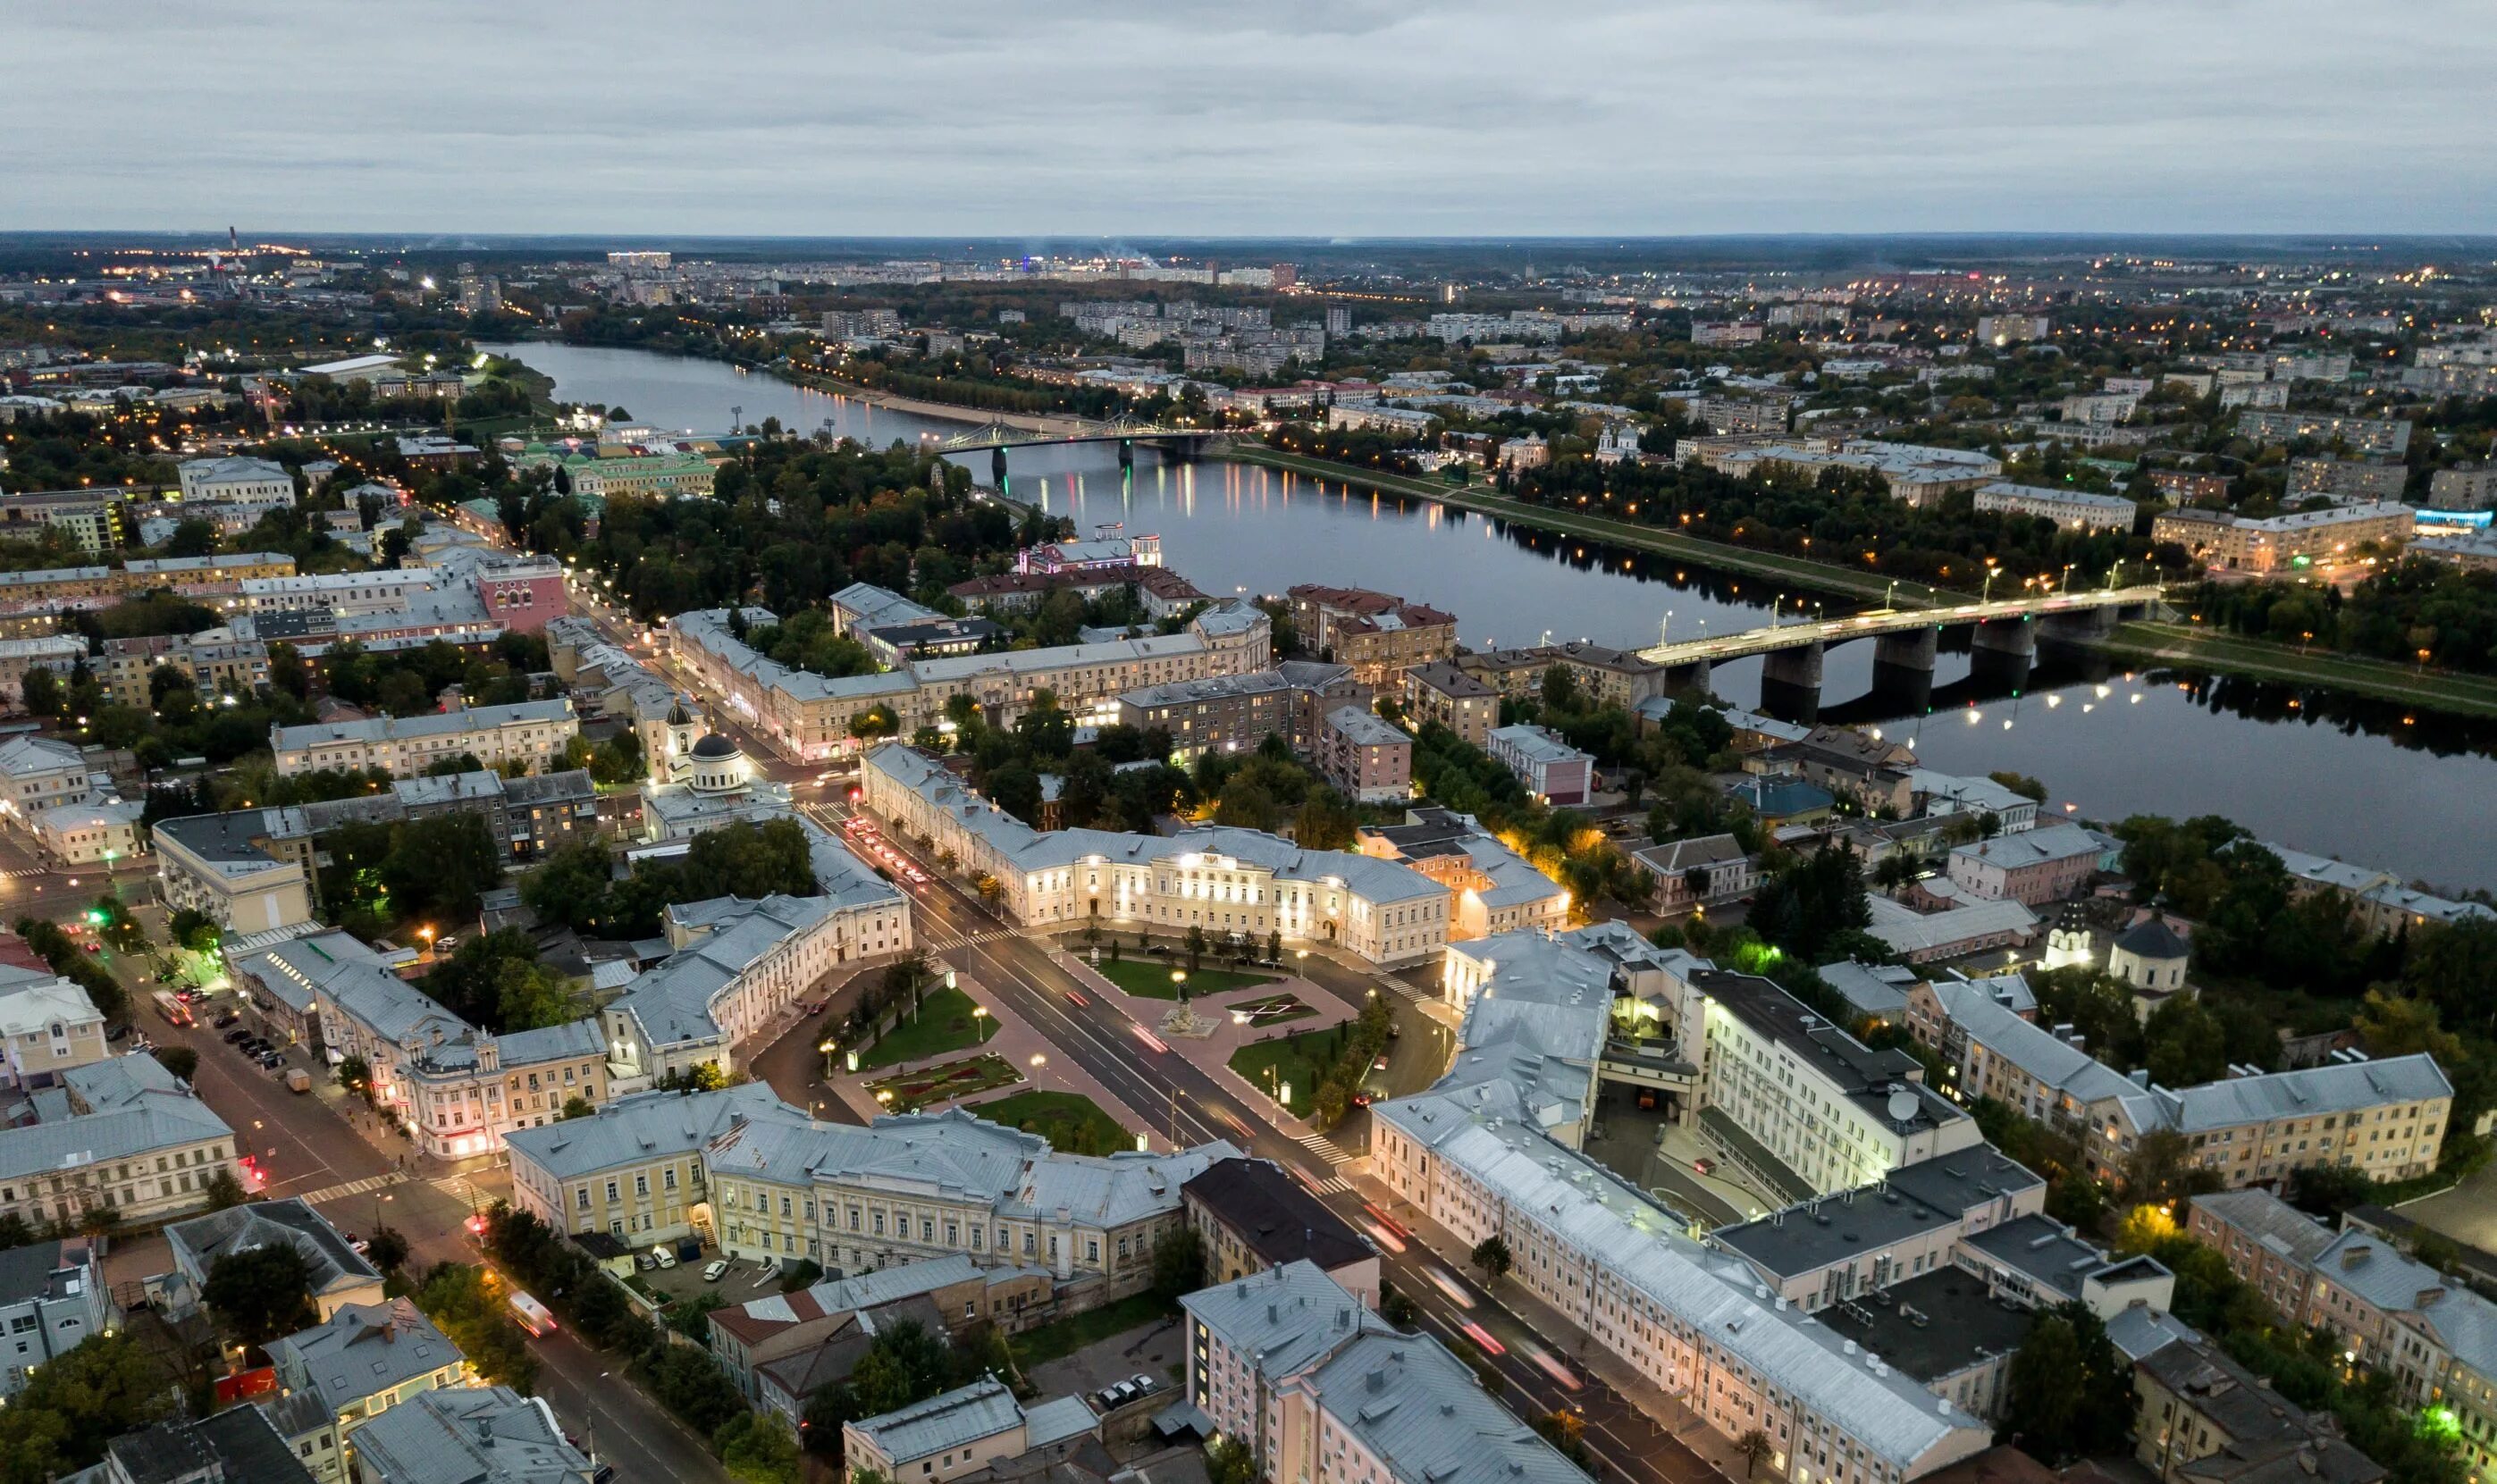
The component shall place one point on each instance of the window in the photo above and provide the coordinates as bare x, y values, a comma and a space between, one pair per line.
668, 1178
611, 1192
641, 1184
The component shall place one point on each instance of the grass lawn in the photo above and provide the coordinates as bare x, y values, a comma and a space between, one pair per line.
945, 1024
1151, 978
1297, 1059
1060, 1337
913, 1090
1070, 1120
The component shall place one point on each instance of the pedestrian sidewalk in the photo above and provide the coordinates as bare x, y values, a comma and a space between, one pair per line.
1568, 1340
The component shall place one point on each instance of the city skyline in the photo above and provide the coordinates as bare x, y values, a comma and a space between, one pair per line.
1357, 121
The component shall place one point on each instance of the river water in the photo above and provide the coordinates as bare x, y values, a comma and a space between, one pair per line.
2408, 791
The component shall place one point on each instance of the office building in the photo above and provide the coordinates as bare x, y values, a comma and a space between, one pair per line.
132, 1140
1492, 889
1252, 1217
2033, 866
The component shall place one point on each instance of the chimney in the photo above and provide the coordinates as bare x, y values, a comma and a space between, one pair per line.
2356, 1254
2427, 1296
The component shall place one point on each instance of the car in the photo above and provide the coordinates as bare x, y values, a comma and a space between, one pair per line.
270, 1060
1703, 1165
235, 1037
605, 1475
1143, 1383
667, 1259
1378, 1066
1111, 1397
117, 1032
230, 1018
92, 946
646, 1261
1076, 997
717, 1269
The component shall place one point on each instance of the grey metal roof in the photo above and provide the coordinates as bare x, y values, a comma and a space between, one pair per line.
944, 1422
330, 1262
1421, 1409
2270, 1221
490, 1435
430, 724
648, 1126
2337, 1086
152, 1120
2051, 1060
363, 1348
1875, 989
1285, 1319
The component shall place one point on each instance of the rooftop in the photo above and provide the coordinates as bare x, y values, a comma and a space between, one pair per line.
1277, 1219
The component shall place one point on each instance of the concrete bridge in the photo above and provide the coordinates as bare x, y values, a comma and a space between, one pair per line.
1905, 640
1001, 436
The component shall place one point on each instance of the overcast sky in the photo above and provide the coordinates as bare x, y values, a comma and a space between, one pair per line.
1420, 117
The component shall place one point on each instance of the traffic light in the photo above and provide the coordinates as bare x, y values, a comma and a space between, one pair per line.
95, 917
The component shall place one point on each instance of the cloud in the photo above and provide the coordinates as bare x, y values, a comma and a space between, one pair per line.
981, 117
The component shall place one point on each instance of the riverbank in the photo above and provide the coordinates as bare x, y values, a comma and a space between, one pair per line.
2177, 643
1816, 576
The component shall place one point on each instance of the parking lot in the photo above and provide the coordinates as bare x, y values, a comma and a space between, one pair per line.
1155, 1352
743, 1279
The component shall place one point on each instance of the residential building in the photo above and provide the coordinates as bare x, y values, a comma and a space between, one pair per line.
862, 607
1290, 1365
1447, 694
101, 833
783, 1348
1552, 771
2001, 329
453, 1090
2073, 510
341, 593
2347, 480
1941, 795
1737, 415
92, 517
59, 653
1698, 871
1834, 1248
2269, 1244
965, 1430
1603, 676
336, 1273
47, 1026
1379, 634
1818, 1102
2206, 1419
1367, 757
482, 1434
236, 482
222, 865
1252, 1217
2434, 1335
2035, 866
52, 1297
2380, 901
38, 773
633, 1168
134, 1141
531, 734
1922, 938
2464, 486
2370, 437
1231, 882
366, 1359
238, 1445
1235, 713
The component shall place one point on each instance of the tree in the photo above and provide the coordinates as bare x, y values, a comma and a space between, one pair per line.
906, 1365
105, 1386
2069, 1394
1325, 822
225, 1191
757, 1448
261, 1293
443, 863
355, 1076
1491, 1255
387, 1249
195, 931
2184, 1045
1179, 1263
1196, 944
1566, 1432
1754, 1447
181, 1060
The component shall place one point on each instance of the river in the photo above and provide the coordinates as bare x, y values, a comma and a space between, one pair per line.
2316, 770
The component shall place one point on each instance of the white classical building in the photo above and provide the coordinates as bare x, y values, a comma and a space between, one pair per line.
1226, 881
38, 773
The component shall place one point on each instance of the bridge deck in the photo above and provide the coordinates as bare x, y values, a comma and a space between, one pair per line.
1830, 631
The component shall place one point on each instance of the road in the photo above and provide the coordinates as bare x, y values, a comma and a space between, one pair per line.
1188, 1103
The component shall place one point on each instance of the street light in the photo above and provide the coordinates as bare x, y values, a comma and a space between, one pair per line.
1179, 981
826, 1047
980, 1018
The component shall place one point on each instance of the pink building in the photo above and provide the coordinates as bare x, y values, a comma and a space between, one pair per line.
1369, 759
2033, 866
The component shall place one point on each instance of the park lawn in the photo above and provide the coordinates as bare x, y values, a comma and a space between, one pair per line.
1070, 1122
945, 1024
1151, 978
1300, 1060
913, 1090
1061, 1338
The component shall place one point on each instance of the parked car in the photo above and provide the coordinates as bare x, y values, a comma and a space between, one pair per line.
667, 1259
1703, 1165
646, 1261
718, 1267
229, 1018
1111, 1397
117, 1032
236, 1037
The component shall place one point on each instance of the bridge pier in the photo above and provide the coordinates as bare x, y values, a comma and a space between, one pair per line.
1909, 650
1126, 456
2010, 637
1790, 683
1690, 676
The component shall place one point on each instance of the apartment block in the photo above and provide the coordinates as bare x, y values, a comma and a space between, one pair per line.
1444, 693
1550, 769
1379, 634
2274, 543
531, 734
1235, 713
1369, 759
2073, 510
2268, 1243
2369, 437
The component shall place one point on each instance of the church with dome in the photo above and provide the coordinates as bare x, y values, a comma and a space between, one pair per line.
700, 778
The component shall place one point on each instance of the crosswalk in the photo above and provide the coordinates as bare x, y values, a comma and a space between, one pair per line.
1324, 1148
1333, 1184
966, 940
364, 1186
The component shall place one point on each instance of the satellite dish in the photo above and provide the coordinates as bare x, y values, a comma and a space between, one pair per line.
1903, 1105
